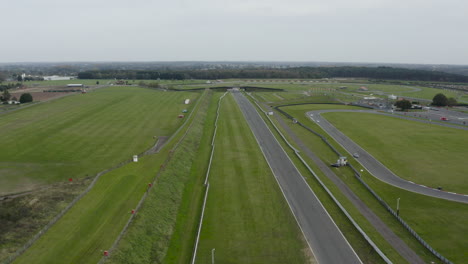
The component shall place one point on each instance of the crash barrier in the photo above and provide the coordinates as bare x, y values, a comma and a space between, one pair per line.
357, 174
206, 183
345, 212
153, 182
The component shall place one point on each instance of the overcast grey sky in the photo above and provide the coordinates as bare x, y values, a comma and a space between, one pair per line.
398, 31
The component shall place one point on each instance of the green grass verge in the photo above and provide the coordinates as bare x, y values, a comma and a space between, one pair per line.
247, 219
423, 153
183, 240
80, 135
148, 237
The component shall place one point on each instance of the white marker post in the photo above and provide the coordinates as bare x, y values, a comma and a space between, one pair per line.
212, 255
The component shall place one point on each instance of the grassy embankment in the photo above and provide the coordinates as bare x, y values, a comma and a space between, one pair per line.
171, 209
183, 240
247, 219
442, 228
78, 136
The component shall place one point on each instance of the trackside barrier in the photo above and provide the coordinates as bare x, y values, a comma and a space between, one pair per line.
206, 183
350, 218
143, 198
382, 202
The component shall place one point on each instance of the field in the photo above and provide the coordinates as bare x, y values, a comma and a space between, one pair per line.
353, 88
247, 219
92, 225
78, 136
415, 151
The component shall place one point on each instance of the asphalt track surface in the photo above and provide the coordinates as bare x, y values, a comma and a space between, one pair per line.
323, 236
376, 168
396, 242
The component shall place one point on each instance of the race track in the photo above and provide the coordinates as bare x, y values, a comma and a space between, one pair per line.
376, 168
323, 236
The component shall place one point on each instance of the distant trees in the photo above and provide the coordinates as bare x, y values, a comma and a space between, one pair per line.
270, 73
5, 95
452, 101
403, 104
26, 98
440, 100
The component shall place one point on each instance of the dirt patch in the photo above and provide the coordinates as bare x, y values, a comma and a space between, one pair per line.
157, 146
22, 217
40, 96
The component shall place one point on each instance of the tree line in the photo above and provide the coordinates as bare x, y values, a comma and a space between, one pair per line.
271, 73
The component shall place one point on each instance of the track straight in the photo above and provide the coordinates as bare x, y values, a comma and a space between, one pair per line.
323, 236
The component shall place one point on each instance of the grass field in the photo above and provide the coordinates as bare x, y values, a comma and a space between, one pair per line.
399, 90
247, 219
441, 223
80, 135
92, 225
279, 96
423, 153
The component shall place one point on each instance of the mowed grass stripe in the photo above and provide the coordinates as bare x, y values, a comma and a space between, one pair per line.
247, 219
81, 135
